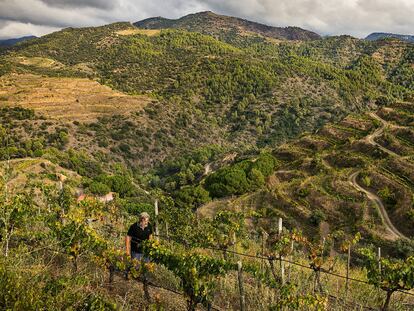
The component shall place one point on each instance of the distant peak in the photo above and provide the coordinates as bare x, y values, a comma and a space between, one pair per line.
384, 35
206, 13
210, 23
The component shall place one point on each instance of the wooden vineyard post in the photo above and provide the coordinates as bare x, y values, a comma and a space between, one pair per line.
379, 260
282, 263
262, 264
241, 288
280, 226
167, 233
348, 264
145, 285
157, 231
264, 239
233, 242
111, 276
291, 259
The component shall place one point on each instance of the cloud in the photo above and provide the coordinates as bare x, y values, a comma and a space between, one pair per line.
80, 3
329, 17
355, 17
22, 29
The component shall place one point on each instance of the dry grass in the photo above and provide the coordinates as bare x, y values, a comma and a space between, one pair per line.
38, 62
136, 31
29, 170
66, 98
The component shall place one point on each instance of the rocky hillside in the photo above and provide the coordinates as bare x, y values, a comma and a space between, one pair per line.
227, 27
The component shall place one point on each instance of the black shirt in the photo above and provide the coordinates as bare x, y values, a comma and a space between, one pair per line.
138, 235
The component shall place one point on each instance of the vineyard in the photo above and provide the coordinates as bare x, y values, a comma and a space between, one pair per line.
215, 247
58, 252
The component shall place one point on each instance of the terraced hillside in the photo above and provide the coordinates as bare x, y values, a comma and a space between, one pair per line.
67, 99
353, 176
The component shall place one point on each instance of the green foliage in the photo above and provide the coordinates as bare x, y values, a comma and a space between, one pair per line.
241, 177
191, 197
99, 188
227, 181
198, 273
14, 214
316, 217
81, 163
367, 181
392, 276
252, 93
227, 227
24, 290
387, 195
121, 184
136, 208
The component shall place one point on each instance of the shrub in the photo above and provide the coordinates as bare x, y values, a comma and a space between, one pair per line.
316, 217
99, 188
191, 197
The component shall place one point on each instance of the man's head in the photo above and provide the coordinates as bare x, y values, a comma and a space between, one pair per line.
144, 218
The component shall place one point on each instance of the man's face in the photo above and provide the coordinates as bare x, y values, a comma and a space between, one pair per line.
144, 221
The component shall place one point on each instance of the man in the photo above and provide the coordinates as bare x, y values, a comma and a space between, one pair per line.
138, 233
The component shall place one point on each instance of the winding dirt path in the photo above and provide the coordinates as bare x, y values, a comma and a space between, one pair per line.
378, 132
395, 233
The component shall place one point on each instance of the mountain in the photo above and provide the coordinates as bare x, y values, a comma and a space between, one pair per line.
180, 90
382, 35
164, 93
221, 26
11, 42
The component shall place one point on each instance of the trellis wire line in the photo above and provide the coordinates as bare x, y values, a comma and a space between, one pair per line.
280, 259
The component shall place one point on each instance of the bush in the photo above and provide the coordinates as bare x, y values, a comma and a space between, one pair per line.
227, 181
256, 179
191, 197
99, 188
241, 177
122, 184
316, 217
136, 208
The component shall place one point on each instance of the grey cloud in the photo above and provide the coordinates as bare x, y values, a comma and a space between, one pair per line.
100, 4
38, 13
355, 17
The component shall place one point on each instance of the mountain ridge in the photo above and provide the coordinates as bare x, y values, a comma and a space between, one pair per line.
13, 41
213, 24
383, 35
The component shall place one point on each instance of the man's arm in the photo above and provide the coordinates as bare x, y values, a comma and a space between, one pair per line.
128, 245
152, 232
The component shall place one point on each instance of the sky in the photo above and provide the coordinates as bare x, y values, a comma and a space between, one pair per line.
326, 17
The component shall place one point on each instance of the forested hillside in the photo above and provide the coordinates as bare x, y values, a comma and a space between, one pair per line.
229, 126
208, 92
227, 28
